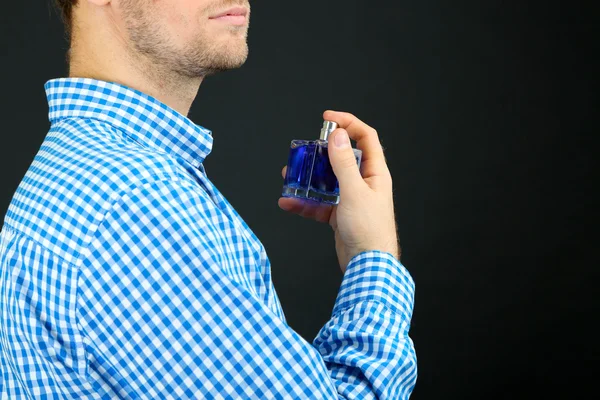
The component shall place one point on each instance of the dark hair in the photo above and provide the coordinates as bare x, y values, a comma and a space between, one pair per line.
66, 12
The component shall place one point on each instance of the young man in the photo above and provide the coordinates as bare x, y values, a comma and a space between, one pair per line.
126, 274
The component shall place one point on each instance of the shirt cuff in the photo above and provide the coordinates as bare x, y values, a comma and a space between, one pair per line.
376, 275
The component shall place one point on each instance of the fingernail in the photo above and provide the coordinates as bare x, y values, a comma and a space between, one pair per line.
341, 139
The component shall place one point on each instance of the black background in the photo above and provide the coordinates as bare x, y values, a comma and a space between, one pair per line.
487, 113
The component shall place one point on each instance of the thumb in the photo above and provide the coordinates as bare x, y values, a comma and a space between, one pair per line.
343, 162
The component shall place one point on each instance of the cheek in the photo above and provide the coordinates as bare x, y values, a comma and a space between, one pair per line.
176, 26
176, 19
179, 20
183, 23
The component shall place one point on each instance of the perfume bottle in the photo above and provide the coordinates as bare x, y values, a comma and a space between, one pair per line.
309, 173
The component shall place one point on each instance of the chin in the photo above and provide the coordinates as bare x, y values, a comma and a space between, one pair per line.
221, 63
211, 55
232, 57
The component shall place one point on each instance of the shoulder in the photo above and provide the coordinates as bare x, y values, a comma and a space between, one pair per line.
108, 154
83, 168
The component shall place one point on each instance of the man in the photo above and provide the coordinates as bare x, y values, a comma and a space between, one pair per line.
126, 274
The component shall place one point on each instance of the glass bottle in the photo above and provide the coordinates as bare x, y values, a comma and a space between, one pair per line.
309, 173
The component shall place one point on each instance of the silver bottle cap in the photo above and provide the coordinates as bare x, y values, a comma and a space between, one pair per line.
328, 128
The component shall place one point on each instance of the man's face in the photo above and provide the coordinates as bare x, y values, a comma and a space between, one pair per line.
184, 36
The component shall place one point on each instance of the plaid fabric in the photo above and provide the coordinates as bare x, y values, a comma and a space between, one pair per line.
124, 273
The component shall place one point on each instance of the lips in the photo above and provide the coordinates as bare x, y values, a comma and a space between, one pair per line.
234, 12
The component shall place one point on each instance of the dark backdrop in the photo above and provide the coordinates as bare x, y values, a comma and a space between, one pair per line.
486, 112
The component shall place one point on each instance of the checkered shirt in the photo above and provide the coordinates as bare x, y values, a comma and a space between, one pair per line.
125, 273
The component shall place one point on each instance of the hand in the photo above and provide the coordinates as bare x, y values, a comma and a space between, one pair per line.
364, 218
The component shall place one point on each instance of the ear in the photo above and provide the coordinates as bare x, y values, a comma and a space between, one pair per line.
99, 2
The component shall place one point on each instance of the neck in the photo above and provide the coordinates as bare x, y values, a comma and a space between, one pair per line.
109, 57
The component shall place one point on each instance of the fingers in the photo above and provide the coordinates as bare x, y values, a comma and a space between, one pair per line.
343, 163
283, 171
367, 140
306, 209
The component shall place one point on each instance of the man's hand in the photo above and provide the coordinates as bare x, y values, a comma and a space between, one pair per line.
364, 218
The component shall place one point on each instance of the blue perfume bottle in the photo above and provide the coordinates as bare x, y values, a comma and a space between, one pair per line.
309, 174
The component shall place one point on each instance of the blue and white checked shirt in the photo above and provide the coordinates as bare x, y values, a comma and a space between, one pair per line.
124, 273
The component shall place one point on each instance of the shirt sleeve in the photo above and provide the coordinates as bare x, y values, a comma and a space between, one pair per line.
365, 345
161, 319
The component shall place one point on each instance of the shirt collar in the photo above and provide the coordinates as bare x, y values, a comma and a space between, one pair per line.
146, 119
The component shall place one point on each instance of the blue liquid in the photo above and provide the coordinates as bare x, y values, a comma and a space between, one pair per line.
323, 179
300, 164
309, 173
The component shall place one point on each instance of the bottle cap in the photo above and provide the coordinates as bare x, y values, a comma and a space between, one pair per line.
328, 128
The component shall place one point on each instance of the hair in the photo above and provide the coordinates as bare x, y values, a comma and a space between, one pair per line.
66, 13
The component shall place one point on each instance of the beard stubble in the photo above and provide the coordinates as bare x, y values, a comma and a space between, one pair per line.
199, 57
